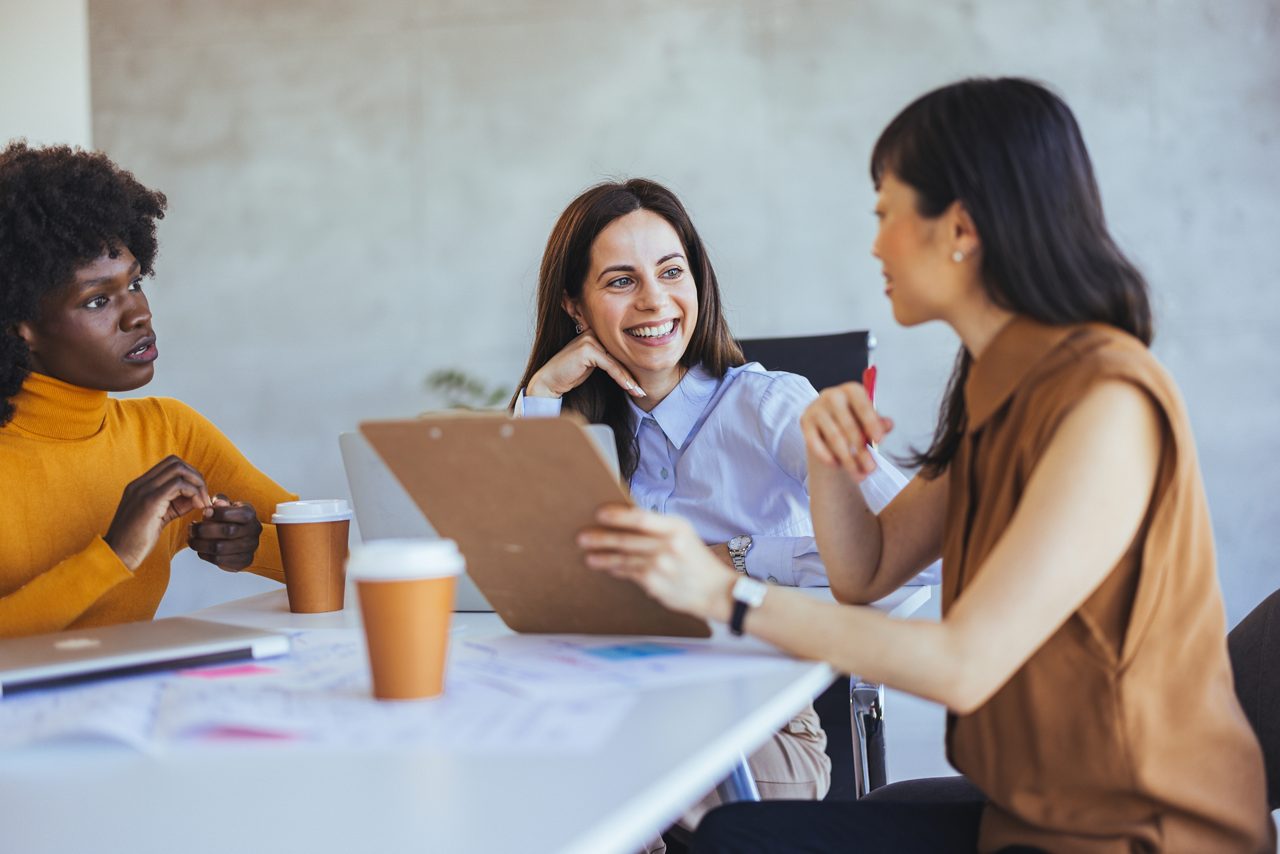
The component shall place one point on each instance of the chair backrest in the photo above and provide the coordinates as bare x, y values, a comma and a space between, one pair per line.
1254, 646
824, 360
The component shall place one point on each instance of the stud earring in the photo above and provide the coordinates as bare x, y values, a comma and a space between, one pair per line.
957, 256
578, 327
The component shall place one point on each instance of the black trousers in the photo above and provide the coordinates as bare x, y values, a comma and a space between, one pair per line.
934, 816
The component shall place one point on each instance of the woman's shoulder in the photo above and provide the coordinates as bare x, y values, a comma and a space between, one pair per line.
765, 404
152, 406
752, 379
166, 414
1090, 355
1094, 352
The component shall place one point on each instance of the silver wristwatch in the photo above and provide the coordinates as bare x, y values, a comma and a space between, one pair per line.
738, 548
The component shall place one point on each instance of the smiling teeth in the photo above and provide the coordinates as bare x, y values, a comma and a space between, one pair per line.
653, 331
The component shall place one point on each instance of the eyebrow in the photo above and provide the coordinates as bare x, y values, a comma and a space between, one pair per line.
627, 268
134, 270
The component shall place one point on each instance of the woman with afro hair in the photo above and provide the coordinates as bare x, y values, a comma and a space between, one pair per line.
90, 486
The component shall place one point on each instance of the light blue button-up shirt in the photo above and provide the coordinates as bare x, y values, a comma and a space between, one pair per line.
727, 454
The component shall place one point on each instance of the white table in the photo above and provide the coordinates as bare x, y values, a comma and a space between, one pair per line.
674, 746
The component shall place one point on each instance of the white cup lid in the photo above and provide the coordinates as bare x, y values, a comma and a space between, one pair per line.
314, 510
404, 559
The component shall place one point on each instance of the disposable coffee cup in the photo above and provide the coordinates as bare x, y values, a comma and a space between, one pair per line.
406, 600
313, 543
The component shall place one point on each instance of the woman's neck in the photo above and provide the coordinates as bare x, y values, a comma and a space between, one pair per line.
658, 386
977, 323
49, 407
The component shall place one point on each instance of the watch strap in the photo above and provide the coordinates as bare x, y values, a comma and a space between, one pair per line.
738, 548
747, 593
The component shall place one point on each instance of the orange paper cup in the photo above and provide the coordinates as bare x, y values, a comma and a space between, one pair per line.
406, 601
313, 544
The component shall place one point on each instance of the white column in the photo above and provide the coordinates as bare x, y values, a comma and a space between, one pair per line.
44, 71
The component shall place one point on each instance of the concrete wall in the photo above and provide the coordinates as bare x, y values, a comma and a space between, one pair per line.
359, 192
44, 55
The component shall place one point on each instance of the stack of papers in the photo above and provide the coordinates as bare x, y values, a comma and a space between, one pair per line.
320, 693
517, 693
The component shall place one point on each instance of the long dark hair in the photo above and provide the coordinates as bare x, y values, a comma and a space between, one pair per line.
1011, 152
564, 272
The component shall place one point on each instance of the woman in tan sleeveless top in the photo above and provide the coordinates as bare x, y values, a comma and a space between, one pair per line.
1081, 652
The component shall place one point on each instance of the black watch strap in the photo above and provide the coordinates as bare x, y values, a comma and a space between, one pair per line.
746, 593
737, 617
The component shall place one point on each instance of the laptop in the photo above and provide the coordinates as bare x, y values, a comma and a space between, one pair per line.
80, 655
384, 509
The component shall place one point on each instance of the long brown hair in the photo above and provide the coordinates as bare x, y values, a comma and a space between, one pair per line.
1010, 150
564, 272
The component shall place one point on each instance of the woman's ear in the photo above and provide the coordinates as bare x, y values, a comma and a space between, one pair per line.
27, 333
964, 234
571, 308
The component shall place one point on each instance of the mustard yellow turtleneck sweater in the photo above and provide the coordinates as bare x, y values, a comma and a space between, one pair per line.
65, 460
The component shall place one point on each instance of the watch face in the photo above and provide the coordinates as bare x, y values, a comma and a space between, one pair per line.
749, 591
739, 543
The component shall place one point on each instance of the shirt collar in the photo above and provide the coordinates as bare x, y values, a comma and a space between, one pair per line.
679, 411
1008, 360
55, 409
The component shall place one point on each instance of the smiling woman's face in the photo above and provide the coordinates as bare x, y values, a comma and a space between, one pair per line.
95, 331
639, 298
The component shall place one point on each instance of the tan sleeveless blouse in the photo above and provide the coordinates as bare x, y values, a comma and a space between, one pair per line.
1122, 732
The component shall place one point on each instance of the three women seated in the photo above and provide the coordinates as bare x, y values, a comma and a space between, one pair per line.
1057, 421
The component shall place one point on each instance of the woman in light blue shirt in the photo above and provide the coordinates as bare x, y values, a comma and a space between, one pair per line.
630, 333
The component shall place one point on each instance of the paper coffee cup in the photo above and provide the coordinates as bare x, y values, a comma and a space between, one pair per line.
313, 543
406, 600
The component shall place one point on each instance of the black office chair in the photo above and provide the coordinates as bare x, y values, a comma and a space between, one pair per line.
1254, 646
851, 711
824, 360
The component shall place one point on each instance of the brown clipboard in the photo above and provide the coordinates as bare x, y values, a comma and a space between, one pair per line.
514, 493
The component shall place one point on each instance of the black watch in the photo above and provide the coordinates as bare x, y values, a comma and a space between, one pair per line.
747, 593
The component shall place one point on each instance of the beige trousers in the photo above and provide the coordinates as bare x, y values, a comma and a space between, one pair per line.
792, 765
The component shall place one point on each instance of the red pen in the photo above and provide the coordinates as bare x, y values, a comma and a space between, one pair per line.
869, 382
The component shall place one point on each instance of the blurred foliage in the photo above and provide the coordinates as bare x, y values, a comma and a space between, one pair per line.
457, 389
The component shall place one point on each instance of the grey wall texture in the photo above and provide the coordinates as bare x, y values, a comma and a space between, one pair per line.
360, 192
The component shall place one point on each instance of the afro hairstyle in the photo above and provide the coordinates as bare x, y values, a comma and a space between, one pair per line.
60, 209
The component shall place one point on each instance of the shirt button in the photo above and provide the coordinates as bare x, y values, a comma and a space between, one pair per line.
664, 474
771, 580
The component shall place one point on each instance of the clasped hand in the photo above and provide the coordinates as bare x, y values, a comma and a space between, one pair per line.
226, 537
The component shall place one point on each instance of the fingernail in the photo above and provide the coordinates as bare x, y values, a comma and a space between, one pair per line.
640, 392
